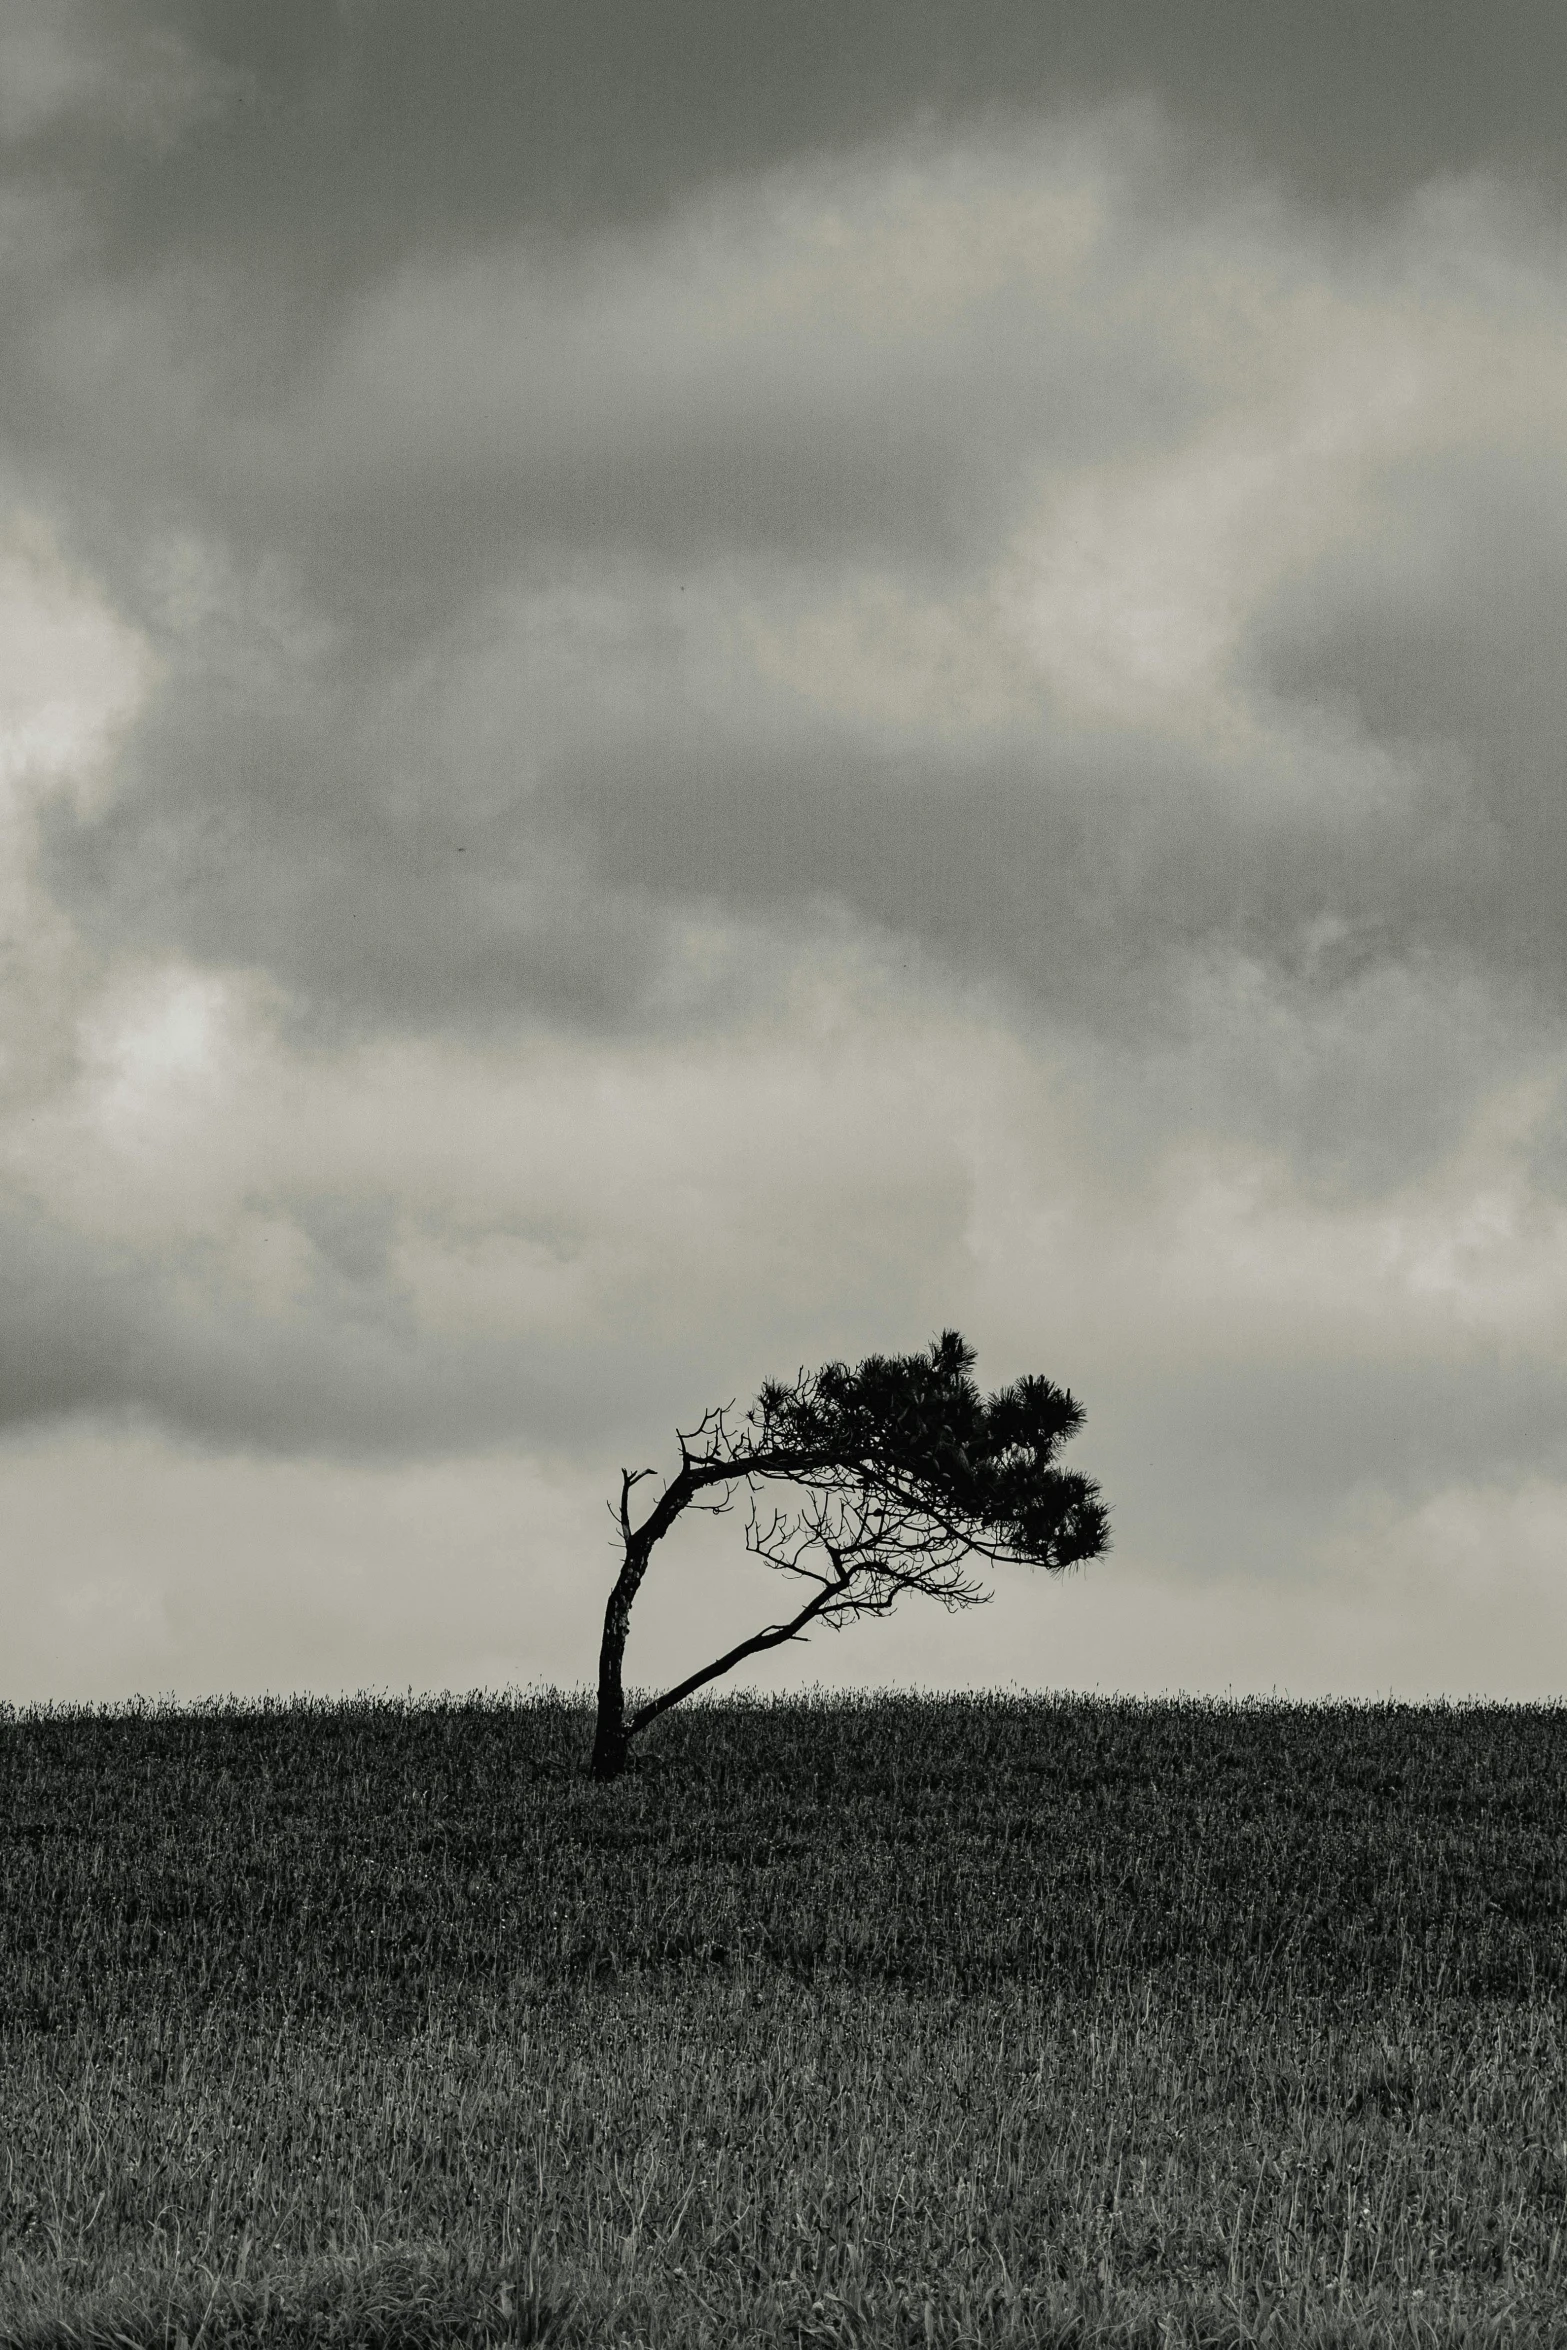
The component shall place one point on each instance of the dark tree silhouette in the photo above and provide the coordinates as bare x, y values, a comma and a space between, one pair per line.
900, 1472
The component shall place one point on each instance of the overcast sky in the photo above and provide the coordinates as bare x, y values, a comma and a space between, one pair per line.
687, 688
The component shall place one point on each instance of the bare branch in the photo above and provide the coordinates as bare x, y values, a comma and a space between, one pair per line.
629, 1478
773, 1637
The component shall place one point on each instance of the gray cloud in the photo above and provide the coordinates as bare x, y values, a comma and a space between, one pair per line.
680, 695
447, 566
523, 113
1444, 643
80, 75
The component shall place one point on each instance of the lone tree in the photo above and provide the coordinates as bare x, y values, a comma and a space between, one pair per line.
901, 1471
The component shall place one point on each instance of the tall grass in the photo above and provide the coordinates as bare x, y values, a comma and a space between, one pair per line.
895, 2020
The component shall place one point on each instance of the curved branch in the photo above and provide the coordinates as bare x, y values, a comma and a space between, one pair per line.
773, 1637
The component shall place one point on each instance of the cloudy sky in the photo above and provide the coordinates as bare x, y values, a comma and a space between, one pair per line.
688, 688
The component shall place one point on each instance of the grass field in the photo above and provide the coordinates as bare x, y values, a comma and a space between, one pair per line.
880, 2021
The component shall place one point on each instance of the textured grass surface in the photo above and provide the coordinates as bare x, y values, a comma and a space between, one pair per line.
910, 2021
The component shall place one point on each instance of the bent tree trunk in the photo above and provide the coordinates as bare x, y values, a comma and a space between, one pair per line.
615, 1729
614, 1733
610, 1740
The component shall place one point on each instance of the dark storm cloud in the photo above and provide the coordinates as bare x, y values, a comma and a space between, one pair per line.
453, 418
274, 837
617, 497
98, 1332
310, 790
103, 1334
299, 792
397, 132
410, 317
324, 147
593, 1271
1085, 879
1445, 642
